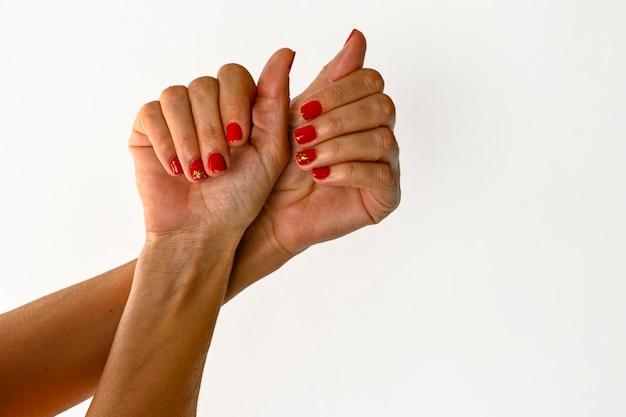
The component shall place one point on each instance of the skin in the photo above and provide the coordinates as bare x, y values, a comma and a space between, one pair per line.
193, 228
50, 362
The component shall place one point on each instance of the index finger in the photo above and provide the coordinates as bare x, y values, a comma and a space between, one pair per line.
353, 87
237, 92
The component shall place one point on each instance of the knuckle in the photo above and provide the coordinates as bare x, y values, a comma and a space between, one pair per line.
373, 80
231, 69
174, 94
150, 110
385, 106
386, 141
202, 86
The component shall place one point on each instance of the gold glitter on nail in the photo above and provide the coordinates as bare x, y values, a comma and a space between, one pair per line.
199, 175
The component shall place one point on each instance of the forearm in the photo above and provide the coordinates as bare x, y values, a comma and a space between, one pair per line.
52, 350
156, 360
257, 256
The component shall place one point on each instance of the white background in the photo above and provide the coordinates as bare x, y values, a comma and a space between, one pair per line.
496, 289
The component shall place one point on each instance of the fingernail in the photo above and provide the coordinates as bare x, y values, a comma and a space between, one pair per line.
233, 132
349, 37
175, 166
306, 157
217, 163
305, 134
197, 170
321, 173
311, 110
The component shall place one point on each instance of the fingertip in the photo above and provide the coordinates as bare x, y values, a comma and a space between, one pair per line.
320, 173
175, 167
234, 134
216, 164
197, 171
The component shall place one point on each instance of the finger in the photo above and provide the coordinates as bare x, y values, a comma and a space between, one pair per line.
178, 116
204, 98
365, 175
378, 145
349, 59
362, 115
150, 129
358, 84
381, 180
269, 112
237, 90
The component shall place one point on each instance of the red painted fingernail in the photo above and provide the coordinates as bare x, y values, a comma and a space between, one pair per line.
197, 170
175, 166
233, 132
311, 109
306, 157
217, 163
293, 58
349, 37
321, 173
305, 134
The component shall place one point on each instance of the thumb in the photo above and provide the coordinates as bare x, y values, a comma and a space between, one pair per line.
269, 111
349, 59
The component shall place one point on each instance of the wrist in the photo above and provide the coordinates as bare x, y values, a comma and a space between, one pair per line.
258, 254
184, 259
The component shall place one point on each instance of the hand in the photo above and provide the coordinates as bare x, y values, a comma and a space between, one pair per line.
187, 126
355, 166
355, 161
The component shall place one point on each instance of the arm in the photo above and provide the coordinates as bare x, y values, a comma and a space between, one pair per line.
156, 361
87, 315
193, 226
53, 350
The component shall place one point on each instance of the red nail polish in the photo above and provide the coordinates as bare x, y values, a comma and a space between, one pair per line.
293, 58
311, 110
217, 163
349, 37
305, 134
175, 166
321, 173
197, 170
233, 132
306, 156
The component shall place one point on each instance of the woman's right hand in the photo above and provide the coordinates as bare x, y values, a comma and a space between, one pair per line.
190, 180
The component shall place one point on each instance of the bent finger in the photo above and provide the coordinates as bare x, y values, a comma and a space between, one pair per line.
236, 95
379, 181
375, 145
180, 121
355, 86
204, 98
150, 129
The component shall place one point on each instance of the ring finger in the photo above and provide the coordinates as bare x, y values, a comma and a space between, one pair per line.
177, 112
374, 145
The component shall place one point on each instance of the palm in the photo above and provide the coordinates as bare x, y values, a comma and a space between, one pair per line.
173, 203
303, 213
